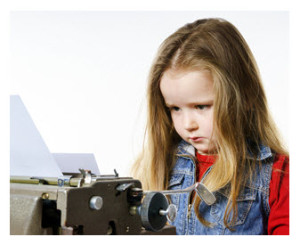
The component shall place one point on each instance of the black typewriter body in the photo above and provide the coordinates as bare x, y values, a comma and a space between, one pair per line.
85, 205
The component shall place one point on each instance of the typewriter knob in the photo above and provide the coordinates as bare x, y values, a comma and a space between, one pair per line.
171, 212
151, 211
96, 202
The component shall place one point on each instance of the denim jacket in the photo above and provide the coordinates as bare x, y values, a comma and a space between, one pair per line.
253, 201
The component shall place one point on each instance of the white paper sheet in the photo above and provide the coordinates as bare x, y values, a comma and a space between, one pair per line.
29, 155
71, 162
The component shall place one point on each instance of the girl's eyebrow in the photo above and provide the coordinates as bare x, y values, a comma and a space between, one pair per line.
204, 102
169, 105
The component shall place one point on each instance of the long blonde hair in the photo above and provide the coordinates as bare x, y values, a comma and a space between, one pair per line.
241, 113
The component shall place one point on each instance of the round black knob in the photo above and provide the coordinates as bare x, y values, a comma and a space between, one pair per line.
150, 209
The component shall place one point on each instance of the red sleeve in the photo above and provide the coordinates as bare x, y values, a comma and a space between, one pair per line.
278, 223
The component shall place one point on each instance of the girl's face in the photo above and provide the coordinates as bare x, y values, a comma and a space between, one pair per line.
189, 95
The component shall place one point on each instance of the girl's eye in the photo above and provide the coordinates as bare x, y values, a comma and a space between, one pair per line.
174, 108
202, 107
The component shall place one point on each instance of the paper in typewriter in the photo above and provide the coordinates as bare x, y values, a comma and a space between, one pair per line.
30, 156
71, 162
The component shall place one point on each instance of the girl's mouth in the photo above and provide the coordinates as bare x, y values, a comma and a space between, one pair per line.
196, 139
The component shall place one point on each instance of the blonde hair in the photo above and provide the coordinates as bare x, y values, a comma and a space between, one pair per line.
241, 114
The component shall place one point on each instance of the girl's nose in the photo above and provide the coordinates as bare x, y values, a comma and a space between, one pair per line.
190, 123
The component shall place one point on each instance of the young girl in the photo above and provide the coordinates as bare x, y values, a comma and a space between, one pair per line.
208, 122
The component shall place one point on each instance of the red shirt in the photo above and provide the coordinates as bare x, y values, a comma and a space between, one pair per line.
278, 223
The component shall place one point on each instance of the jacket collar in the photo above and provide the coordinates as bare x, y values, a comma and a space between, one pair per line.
185, 148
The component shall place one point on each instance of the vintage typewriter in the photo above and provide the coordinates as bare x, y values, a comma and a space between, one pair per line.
49, 197
87, 204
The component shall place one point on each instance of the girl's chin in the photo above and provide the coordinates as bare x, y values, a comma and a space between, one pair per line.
202, 152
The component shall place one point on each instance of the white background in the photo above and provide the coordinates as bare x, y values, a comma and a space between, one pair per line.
82, 74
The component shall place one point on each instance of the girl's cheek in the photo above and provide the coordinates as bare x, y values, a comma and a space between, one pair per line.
176, 125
